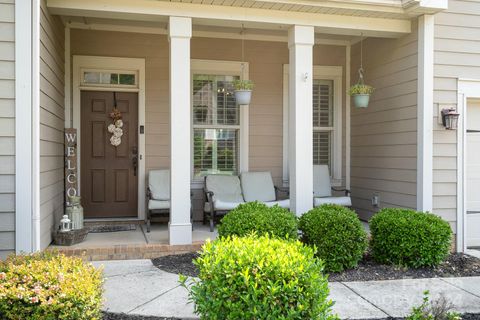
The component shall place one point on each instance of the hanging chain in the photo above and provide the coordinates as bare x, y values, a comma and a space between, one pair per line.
360, 71
243, 51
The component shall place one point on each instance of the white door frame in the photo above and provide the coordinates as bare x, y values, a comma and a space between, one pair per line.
117, 64
467, 89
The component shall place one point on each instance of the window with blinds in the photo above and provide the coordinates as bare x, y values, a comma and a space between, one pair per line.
322, 121
216, 125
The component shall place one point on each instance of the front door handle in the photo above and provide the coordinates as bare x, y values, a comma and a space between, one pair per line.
135, 160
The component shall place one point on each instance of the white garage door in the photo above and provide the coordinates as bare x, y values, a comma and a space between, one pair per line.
473, 173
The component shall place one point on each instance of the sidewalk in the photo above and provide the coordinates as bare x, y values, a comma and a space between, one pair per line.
137, 287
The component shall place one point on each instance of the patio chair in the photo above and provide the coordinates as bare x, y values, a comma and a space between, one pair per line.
258, 186
223, 194
322, 189
158, 194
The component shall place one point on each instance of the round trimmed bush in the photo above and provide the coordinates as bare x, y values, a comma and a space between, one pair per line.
337, 234
259, 278
409, 238
49, 286
257, 217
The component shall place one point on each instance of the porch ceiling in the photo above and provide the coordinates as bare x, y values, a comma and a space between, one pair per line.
264, 14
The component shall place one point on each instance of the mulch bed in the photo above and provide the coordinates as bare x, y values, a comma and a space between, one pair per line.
457, 265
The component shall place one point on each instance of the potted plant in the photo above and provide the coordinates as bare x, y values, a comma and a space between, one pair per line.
243, 91
361, 94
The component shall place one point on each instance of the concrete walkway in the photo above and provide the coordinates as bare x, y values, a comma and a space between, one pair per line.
137, 287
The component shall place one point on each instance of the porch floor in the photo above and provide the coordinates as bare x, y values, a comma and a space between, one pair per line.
135, 244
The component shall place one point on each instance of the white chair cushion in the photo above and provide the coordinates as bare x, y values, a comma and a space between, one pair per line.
222, 205
342, 201
281, 203
225, 188
159, 184
321, 181
257, 186
158, 204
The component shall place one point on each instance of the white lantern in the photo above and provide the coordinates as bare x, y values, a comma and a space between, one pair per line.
65, 224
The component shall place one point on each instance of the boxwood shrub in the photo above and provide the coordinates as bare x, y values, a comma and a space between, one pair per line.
409, 238
257, 217
338, 235
48, 286
259, 278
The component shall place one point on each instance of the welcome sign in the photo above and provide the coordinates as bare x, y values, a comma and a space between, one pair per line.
71, 178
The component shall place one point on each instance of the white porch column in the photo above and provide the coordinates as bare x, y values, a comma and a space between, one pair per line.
300, 44
425, 113
180, 32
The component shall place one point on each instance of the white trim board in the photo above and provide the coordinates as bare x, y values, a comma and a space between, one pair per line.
112, 63
145, 10
27, 152
214, 33
467, 89
233, 68
334, 73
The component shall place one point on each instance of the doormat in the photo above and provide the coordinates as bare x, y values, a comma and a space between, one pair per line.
112, 228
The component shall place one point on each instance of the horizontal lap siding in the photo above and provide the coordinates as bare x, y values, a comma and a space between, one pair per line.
52, 120
384, 136
266, 61
7, 127
457, 55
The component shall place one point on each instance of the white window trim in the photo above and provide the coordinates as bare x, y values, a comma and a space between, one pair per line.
467, 89
118, 64
333, 73
229, 68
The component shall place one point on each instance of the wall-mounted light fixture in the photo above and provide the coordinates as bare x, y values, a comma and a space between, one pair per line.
450, 118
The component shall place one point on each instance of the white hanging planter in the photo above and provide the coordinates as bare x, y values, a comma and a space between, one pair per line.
243, 91
243, 97
361, 100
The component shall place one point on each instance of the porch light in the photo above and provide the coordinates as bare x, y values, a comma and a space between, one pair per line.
65, 224
450, 118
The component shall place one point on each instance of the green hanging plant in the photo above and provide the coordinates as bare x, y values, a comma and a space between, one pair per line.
243, 84
360, 89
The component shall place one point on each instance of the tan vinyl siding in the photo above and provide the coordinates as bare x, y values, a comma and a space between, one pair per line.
7, 127
384, 136
52, 115
266, 61
457, 55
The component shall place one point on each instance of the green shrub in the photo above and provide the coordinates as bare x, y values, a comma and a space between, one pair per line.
48, 286
439, 309
409, 238
257, 217
259, 278
338, 235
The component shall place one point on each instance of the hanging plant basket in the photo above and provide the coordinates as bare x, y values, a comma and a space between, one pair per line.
243, 91
360, 91
361, 94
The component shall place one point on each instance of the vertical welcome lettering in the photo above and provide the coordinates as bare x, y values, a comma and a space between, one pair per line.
71, 178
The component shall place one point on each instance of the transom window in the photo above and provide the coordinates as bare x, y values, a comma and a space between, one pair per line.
109, 78
322, 121
216, 125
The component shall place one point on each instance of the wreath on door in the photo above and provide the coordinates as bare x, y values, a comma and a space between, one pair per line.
115, 128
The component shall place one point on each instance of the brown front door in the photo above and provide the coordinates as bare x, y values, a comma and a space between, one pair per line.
108, 173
